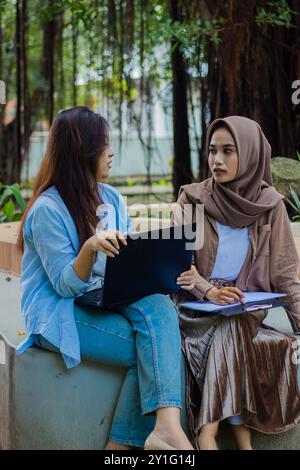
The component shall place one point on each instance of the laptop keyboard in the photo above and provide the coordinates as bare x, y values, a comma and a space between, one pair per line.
91, 297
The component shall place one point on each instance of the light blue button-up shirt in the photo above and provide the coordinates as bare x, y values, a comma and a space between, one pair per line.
49, 283
231, 253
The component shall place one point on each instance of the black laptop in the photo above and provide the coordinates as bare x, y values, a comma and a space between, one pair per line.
150, 263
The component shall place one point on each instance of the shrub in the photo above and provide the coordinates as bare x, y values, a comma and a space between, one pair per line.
295, 204
12, 204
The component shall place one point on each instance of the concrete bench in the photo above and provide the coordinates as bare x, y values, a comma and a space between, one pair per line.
43, 405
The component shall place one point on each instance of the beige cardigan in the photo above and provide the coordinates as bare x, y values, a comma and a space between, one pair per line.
272, 262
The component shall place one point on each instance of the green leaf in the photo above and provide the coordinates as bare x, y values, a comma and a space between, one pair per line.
278, 14
8, 210
295, 197
295, 203
7, 192
18, 197
292, 205
17, 217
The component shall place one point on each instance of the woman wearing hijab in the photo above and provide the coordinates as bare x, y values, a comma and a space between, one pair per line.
239, 369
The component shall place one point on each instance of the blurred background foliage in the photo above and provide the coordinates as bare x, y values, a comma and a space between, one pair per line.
215, 57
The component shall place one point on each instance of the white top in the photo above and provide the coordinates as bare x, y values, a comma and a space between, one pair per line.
232, 251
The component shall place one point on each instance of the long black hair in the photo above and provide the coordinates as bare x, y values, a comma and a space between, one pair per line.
77, 139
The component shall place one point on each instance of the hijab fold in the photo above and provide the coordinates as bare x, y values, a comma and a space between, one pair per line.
241, 201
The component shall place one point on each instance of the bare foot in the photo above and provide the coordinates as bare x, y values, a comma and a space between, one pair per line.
173, 437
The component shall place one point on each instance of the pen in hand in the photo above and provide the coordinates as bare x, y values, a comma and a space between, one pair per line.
225, 295
239, 296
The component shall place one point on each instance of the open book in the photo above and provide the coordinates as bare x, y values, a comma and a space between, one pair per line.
253, 301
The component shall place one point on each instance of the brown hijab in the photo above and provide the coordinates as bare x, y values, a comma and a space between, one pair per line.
240, 202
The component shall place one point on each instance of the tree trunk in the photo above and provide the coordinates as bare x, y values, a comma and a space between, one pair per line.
15, 169
182, 172
74, 59
2, 108
49, 28
251, 72
25, 91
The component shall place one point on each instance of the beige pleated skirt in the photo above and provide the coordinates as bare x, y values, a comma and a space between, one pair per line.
238, 365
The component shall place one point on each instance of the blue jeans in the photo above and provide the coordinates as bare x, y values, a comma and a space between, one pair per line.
143, 337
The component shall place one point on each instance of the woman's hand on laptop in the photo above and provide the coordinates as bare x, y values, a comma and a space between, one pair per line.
187, 279
107, 241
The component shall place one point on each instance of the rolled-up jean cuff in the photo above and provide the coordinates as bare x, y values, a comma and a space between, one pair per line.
126, 442
169, 404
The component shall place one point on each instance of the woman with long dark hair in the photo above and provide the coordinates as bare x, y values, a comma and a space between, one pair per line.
64, 257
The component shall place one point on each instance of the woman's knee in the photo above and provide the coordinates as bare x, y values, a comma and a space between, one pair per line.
109, 340
161, 308
107, 347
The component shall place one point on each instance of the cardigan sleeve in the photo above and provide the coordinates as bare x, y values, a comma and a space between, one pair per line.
284, 264
54, 247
